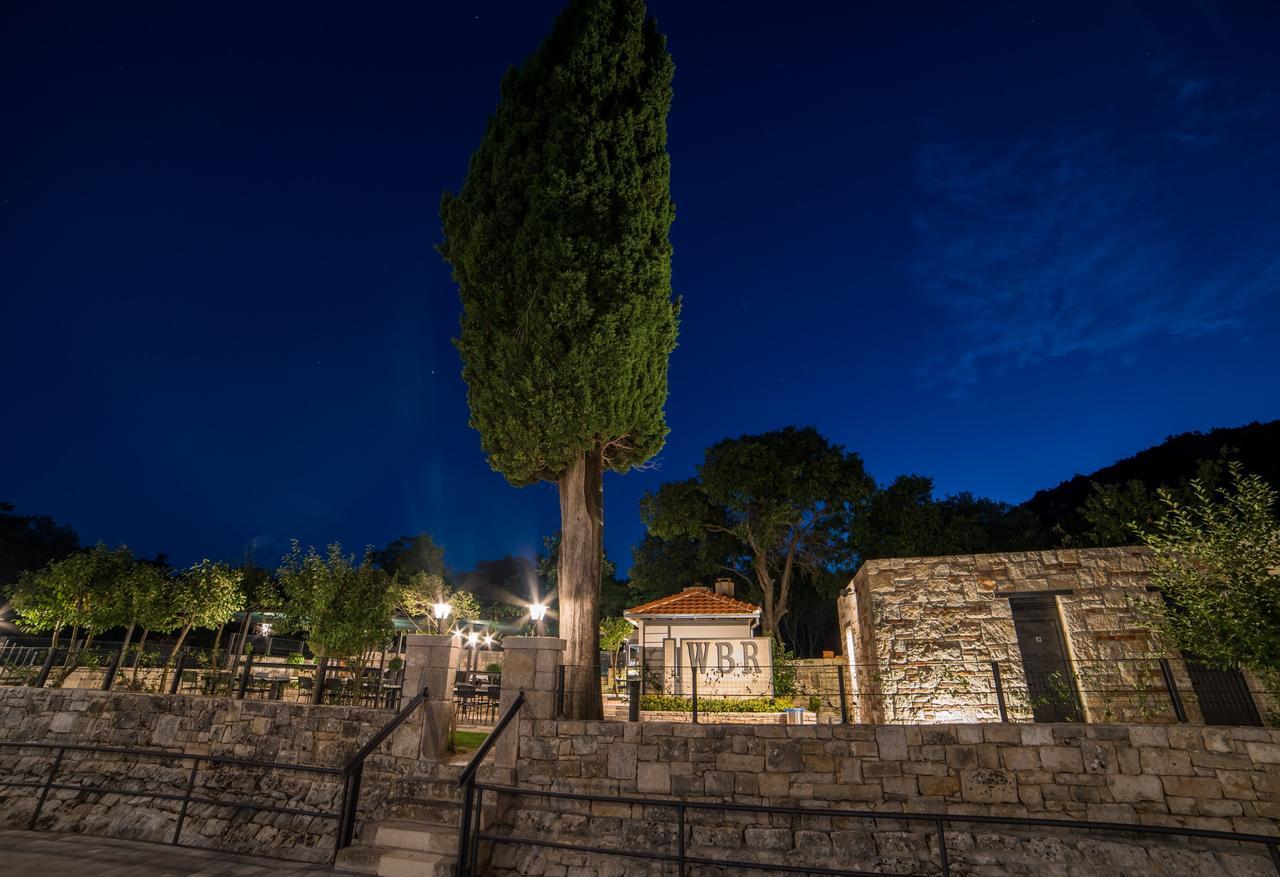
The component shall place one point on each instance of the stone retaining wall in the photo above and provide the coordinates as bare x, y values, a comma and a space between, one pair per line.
251, 729
1218, 778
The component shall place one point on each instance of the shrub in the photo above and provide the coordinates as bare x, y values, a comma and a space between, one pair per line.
670, 703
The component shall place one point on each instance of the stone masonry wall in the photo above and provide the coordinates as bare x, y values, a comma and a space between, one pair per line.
924, 630
251, 729
1217, 778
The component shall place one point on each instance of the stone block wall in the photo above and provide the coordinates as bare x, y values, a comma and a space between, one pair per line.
252, 729
923, 631
1216, 778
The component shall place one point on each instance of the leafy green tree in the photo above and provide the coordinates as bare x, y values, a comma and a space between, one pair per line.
205, 595
558, 241
786, 498
1217, 565
344, 607
614, 633
419, 592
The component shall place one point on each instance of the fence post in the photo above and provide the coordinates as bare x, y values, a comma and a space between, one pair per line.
1175, 698
995, 674
244, 678
560, 692
844, 702
177, 672
633, 700
694, 674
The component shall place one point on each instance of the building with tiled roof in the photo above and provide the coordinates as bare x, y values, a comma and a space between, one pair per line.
701, 632
695, 601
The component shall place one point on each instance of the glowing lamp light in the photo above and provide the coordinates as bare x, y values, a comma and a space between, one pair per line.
441, 611
488, 639
473, 638
265, 628
538, 612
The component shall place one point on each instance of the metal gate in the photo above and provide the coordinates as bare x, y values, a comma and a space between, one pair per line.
1224, 696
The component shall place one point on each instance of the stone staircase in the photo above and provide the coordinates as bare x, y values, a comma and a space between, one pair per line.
418, 837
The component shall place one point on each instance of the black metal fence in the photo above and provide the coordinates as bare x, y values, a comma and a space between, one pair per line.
206, 673
1143, 690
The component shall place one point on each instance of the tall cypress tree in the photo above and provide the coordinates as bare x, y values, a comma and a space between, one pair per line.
559, 245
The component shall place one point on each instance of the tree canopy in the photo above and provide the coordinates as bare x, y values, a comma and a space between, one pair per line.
784, 500
1217, 565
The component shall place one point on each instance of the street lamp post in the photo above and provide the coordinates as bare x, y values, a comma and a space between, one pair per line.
441, 611
538, 612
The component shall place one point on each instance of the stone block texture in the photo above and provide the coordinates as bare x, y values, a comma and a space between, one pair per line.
1215, 778
922, 632
286, 733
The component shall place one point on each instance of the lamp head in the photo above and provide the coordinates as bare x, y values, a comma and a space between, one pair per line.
441, 610
538, 611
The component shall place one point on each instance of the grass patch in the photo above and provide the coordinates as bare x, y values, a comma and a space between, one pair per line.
466, 741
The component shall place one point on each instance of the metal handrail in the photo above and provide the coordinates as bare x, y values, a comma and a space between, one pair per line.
188, 796
467, 780
353, 773
1271, 842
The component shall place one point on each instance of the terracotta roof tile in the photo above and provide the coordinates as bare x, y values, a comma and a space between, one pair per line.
694, 601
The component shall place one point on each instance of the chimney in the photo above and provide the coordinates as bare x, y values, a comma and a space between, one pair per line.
724, 586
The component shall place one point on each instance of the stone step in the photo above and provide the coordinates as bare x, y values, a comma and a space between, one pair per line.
392, 862
409, 834
427, 789
424, 810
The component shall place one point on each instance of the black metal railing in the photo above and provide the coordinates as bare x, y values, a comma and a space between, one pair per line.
353, 772
683, 859
187, 797
350, 776
1131, 690
472, 803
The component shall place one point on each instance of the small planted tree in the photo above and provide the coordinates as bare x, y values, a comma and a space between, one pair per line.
343, 607
205, 595
1217, 565
559, 244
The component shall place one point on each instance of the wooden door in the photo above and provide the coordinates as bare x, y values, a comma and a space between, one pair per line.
1051, 686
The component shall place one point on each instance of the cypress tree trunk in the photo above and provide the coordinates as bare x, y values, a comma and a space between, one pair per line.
578, 579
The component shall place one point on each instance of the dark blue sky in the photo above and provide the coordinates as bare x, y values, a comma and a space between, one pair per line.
998, 244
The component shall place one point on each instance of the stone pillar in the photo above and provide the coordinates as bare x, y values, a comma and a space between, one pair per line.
432, 662
530, 664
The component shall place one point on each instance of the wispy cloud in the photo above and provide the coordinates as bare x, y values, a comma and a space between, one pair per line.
1041, 252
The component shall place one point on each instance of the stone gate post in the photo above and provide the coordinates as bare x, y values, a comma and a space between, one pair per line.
433, 662
532, 665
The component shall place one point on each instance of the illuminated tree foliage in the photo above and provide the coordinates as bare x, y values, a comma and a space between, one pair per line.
1217, 564
558, 241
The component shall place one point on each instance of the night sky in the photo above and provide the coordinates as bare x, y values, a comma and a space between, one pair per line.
998, 244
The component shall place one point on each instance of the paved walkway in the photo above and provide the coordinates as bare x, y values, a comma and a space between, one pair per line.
43, 854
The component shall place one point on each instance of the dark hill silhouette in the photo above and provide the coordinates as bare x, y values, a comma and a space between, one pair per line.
1256, 445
